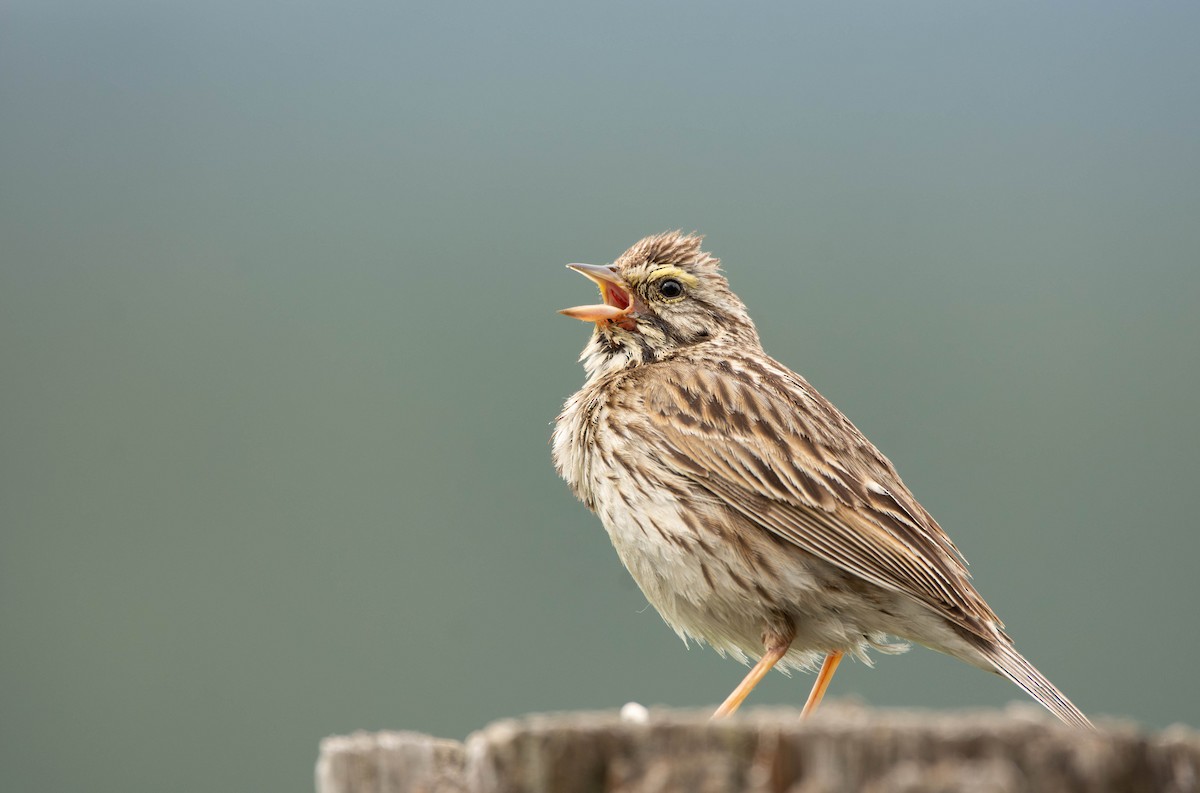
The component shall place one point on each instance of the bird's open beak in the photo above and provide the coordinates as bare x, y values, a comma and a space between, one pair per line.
617, 300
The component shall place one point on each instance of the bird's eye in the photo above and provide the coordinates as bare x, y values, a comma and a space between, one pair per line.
670, 288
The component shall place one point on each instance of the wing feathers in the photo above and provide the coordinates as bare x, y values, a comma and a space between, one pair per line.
780, 455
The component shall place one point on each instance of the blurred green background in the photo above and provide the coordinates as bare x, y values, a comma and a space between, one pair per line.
279, 353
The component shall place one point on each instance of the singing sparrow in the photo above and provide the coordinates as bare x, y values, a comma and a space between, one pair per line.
753, 515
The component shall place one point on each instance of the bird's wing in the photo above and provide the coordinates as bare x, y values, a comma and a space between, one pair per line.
765, 443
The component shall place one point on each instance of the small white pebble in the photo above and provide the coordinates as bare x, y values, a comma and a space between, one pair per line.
635, 713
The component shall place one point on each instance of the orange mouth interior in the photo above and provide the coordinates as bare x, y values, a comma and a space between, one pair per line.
615, 296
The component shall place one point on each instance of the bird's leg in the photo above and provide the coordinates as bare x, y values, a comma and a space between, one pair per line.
777, 647
828, 667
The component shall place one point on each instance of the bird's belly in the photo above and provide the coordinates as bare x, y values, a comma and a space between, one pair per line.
728, 593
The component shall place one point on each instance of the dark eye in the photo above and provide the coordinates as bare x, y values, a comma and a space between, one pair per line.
670, 288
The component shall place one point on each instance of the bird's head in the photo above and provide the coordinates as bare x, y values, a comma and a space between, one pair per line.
660, 296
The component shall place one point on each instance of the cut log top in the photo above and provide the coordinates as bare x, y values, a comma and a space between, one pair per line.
842, 748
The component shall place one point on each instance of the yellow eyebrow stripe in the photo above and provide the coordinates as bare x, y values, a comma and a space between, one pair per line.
673, 272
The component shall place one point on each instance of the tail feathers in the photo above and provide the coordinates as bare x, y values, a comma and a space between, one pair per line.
1013, 665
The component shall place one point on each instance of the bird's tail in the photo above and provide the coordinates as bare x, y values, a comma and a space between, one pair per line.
1010, 663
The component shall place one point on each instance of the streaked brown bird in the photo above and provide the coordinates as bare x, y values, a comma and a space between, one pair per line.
753, 515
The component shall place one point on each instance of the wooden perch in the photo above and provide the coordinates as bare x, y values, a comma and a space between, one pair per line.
842, 748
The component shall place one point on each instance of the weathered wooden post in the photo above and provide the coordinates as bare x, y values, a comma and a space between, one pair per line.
843, 748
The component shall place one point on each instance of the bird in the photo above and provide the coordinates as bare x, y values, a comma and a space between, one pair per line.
752, 514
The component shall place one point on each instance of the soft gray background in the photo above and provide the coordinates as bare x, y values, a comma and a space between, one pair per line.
278, 351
